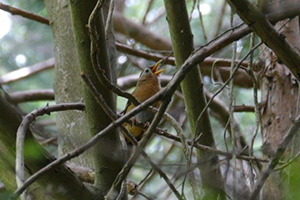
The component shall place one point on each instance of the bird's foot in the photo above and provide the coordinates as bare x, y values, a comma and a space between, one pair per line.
133, 121
146, 125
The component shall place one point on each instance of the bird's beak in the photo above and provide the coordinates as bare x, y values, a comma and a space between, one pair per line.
155, 67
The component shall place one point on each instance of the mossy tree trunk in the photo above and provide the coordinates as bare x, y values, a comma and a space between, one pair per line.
195, 101
108, 152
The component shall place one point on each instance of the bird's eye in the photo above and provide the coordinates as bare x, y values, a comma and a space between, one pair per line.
147, 70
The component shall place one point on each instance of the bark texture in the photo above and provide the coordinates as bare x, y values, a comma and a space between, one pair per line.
72, 125
279, 90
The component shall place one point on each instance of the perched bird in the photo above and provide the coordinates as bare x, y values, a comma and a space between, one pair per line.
147, 85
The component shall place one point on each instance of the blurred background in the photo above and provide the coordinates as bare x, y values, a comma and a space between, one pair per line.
24, 42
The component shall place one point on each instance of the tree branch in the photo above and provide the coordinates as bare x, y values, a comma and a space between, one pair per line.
30, 95
140, 33
23, 13
27, 71
27, 120
264, 29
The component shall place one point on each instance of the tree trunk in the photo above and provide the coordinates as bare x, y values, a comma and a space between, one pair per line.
72, 125
279, 92
108, 153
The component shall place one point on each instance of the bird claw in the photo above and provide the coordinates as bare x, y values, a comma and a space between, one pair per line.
146, 125
133, 121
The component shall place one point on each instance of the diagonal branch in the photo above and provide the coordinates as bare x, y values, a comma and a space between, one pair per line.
27, 71
132, 139
264, 29
23, 13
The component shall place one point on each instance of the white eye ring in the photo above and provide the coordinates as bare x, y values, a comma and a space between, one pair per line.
147, 71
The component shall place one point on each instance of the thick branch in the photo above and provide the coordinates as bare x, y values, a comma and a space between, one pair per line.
109, 151
264, 29
140, 33
31, 95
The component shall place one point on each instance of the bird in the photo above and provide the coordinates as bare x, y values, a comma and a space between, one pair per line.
147, 85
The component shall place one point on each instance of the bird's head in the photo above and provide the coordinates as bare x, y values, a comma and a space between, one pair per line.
150, 73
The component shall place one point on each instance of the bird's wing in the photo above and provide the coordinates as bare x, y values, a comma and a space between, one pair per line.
126, 107
129, 103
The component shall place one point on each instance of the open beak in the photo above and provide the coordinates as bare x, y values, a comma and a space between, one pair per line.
155, 67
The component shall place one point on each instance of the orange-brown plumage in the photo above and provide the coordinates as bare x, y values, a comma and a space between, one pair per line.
147, 85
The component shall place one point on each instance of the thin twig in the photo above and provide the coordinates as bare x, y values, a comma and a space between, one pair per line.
127, 167
223, 86
141, 186
109, 17
290, 161
150, 3
207, 148
202, 22
160, 12
23, 13
220, 19
256, 107
232, 121
186, 151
